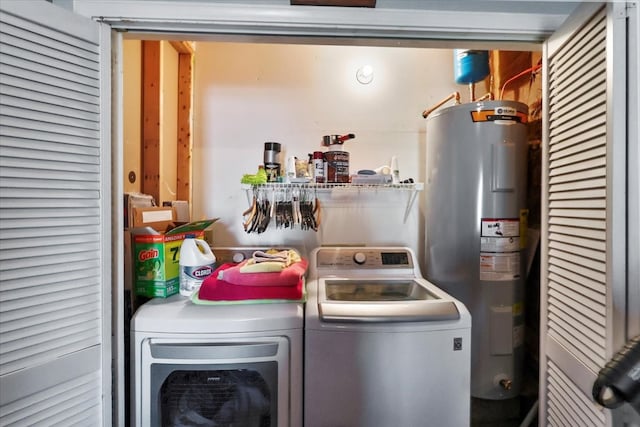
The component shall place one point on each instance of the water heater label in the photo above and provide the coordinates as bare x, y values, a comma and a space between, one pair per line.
499, 244
499, 115
495, 267
499, 248
506, 111
500, 227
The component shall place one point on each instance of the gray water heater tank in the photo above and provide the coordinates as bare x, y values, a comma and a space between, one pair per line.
475, 217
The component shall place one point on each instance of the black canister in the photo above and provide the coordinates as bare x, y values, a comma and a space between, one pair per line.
272, 160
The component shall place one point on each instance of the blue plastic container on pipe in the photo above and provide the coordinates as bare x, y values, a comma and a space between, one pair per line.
470, 66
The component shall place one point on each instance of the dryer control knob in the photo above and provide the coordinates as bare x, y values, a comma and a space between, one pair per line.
238, 257
359, 258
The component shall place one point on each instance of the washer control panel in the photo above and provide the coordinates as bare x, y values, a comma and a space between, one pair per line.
363, 258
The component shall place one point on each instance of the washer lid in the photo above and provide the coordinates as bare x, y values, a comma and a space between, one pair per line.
178, 314
372, 290
376, 300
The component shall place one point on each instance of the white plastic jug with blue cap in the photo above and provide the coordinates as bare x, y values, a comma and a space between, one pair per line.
197, 262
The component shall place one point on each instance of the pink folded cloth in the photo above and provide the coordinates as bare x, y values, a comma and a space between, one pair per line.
214, 289
289, 276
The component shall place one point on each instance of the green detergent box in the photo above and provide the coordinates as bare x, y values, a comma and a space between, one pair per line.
157, 256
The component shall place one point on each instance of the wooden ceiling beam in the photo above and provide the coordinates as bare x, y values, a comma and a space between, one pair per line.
183, 46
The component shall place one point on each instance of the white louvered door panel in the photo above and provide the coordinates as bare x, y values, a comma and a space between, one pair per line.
582, 317
54, 217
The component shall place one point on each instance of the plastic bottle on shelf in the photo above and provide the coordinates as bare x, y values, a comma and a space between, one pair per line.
395, 172
197, 262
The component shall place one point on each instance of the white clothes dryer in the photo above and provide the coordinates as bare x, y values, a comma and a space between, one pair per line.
383, 346
238, 364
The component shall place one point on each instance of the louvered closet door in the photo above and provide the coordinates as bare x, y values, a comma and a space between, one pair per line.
54, 217
583, 241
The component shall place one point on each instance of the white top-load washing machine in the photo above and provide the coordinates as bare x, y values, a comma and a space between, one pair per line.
235, 364
383, 346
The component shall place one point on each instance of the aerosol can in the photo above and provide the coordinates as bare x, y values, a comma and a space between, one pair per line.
319, 167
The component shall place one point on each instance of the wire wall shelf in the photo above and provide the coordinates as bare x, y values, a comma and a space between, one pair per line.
296, 189
417, 186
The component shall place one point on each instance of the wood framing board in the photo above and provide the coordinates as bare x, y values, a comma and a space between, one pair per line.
183, 185
150, 156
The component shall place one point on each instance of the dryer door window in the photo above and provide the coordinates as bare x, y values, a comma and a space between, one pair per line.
229, 395
214, 382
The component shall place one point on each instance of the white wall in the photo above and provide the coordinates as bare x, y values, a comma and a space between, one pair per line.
246, 94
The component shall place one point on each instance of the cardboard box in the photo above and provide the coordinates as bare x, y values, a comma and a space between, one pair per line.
157, 217
157, 257
135, 200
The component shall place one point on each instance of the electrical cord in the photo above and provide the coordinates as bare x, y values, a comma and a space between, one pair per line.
528, 70
619, 380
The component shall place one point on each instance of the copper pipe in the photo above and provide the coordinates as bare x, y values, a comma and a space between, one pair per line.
454, 95
472, 92
532, 70
488, 95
